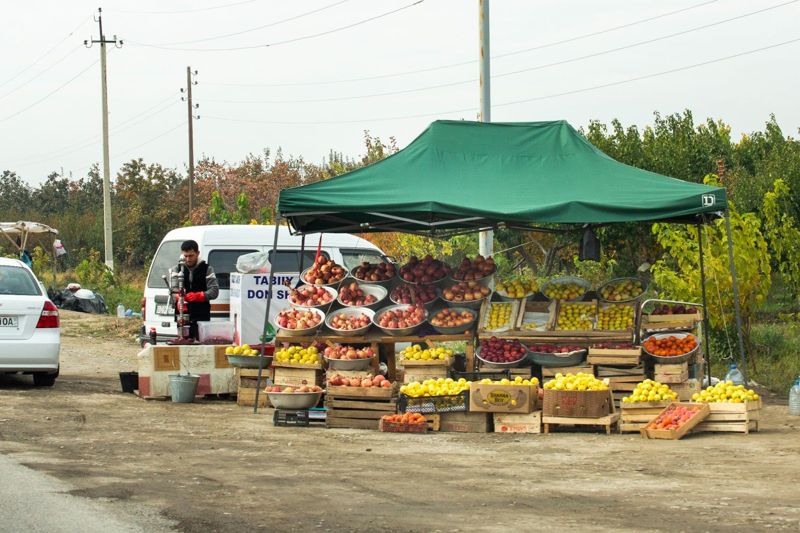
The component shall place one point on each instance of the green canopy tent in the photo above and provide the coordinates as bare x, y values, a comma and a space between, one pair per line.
461, 176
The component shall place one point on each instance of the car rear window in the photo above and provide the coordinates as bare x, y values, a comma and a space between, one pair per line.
224, 262
17, 281
166, 258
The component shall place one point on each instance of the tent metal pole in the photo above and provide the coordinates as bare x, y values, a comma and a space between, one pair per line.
302, 252
706, 347
266, 313
736, 305
485, 238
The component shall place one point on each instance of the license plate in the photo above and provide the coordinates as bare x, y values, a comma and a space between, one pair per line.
163, 309
9, 322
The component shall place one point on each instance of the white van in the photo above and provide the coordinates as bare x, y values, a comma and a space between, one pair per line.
220, 246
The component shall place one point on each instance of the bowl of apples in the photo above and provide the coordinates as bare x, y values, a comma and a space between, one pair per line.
399, 320
406, 294
299, 321
351, 321
501, 353
302, 397
355, 294
317, 296
479, 269
426, 271
324, 271
453, 320
341, 357
382, 274
468, 294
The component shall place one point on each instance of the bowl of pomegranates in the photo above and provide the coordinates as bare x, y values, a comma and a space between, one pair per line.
375, 273
355, 294
350, 321
501, 353
318, 296
401, 319
423, 272
468, 294
406, 294
324, 271
453, 320
299, 321
479, 269
341, 357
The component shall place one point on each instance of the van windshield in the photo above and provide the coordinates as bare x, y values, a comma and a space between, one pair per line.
166, 257
352, 258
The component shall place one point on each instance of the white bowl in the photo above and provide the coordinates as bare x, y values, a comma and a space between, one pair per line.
306, 331
377, 291
351, 311
334, 285
294, 400
349, 364
383, 283
330, 290
398, 332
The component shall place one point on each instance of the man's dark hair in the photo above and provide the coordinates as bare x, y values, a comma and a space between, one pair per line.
190, 246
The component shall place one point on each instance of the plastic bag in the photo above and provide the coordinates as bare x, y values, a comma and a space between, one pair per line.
253, 263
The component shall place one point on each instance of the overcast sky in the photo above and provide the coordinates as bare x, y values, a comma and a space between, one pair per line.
309, 94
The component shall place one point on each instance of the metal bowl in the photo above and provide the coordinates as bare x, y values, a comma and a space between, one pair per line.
349, 364
512, 364
470, 304
397, 332
335, 285
330, 290
563, 280
485, 280
426, 305
677, 358
437, 282
555, 360
350, 311
506, 298
377, 291
306, 331
294, 400
455, 330
616, 280
387, 283
249, 361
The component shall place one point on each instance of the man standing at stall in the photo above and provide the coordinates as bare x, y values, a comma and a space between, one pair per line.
200, 283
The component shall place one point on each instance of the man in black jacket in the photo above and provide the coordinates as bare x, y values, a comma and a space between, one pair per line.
200, 283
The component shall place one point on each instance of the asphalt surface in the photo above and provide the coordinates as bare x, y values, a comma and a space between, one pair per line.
34, 502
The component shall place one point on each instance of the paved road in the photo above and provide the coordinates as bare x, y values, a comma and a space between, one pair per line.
34, 502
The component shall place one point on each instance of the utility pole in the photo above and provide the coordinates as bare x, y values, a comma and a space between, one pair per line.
107, 224
190, 108
485, 238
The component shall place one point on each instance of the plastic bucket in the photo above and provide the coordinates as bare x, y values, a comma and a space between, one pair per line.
129, 381
182, 387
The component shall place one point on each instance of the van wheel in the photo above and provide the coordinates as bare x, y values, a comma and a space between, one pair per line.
41, 379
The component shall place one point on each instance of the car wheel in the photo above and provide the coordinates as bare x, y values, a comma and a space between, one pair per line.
44, 380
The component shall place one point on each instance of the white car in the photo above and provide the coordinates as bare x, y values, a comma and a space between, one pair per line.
30, 334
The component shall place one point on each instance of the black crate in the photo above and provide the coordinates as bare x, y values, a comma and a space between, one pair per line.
297, 418
494, 375
434, 404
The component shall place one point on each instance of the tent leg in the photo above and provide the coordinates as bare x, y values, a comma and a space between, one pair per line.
302, 252
266, 313
737, 306
706, 347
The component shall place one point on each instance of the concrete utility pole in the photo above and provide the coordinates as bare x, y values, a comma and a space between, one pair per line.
107, 224
485, 238
190, 108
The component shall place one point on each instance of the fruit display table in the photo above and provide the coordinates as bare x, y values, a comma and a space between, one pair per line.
157, 363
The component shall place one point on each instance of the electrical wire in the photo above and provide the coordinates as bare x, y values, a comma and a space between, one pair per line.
181, 11
515, 102
472, 61
285, 41
150, 140
49, 68
514, 72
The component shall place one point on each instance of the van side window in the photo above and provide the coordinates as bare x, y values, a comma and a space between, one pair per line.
166, 257
354, 257
289, 260
224, 262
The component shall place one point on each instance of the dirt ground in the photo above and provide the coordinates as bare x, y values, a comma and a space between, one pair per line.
214, 466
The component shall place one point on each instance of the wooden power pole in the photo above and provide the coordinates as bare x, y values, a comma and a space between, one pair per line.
191, 118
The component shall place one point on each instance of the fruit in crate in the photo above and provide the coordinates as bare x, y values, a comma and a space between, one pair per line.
413, 294
673, 417
405, 418
555, 348
310, 296
375, 271
428, 270
725, 392
470, 270
297, 319
622, 290
465, 291
670, 346
516, 381
499, 316
575, 316
353, 295
576, 382
517, 288
300, 389
435, 387
448, 318
298, 355
563, 291
416, 352
244, 349
348, 322
347, 353
650, 391
497, 350
366, 381
324, 271
402, 318
678, 309
615, 317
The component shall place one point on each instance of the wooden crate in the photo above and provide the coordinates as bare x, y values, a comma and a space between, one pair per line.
515, 423
363, 392
687, 389
422, 373
675, 434
590, 309
247, 379
606, 305
636, 415
671, 373
614, 356
465, 422
525, 372
363, 413
607, 422
294, 376
550, 372
483, 315
731, 418
533, 309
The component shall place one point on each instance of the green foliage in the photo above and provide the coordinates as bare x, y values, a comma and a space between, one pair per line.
42, 262
93, 273
595, 272
780, 228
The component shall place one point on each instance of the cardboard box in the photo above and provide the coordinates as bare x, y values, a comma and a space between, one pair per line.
465, 422
514, 423
577, 404
687, 389
495, 398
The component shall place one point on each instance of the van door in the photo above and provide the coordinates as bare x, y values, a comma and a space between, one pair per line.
223, 261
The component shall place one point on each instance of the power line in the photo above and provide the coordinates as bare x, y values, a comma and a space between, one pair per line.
270, 25
511, 73
286, 41
514, 102
180, 11
472, 61
49, 68
150, 140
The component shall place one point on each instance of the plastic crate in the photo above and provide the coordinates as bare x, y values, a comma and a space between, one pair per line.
296, 418
434, 404
494, 375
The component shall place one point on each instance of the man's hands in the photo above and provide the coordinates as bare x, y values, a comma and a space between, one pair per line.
195, 297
